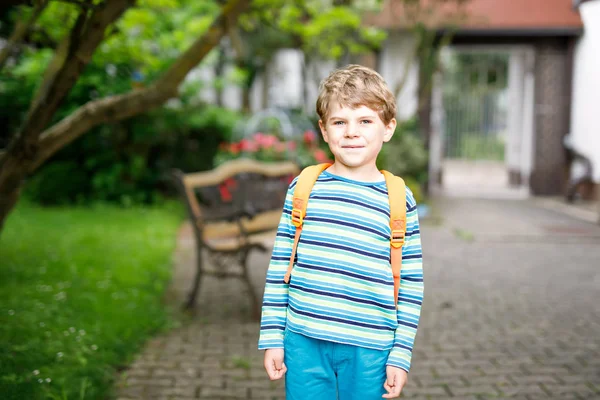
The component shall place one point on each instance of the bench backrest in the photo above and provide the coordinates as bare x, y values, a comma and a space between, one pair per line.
239, 187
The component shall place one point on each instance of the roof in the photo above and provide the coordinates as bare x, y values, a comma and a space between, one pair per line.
485, 15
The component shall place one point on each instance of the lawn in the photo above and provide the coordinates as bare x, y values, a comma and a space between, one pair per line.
81, 289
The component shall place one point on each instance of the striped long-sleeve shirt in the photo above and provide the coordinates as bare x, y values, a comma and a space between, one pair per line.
341, 288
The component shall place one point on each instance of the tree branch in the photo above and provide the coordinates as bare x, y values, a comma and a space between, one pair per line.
71, 57
20, 31
116, 108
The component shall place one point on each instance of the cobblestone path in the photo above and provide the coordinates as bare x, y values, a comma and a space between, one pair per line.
512, 310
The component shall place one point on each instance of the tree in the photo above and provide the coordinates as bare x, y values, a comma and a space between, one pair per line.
37, 139
433, 25
321, 29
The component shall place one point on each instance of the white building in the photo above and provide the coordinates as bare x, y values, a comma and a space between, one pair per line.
585, 108
549, 78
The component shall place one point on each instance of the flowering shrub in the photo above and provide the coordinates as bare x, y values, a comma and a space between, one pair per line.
266, 147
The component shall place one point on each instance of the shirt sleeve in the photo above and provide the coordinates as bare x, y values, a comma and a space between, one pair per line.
275, 299
410, 294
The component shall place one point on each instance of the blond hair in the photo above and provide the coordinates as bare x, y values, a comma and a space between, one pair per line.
354, 86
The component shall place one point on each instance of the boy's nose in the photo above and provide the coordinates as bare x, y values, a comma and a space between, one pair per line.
352, 130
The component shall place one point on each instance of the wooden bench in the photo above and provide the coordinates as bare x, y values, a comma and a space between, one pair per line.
234, 209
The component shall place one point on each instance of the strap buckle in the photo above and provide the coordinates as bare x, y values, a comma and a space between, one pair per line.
397, 238
297, 217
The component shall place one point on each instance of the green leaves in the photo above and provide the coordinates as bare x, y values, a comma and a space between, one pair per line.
318, 27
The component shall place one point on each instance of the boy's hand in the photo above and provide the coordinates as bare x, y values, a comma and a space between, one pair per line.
274, 364
396, 379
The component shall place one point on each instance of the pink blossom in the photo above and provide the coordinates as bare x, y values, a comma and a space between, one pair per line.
291, 146
248, 145
268, 141
320, 156
279, 147
258, 136
310, 137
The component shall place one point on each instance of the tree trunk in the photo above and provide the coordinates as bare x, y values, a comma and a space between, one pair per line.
219, 75
10, 187
246, 106
33, 145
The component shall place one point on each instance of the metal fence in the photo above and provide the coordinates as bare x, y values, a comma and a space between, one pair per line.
475, 106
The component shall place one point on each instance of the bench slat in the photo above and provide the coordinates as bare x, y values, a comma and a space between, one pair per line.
243, 165
265, 221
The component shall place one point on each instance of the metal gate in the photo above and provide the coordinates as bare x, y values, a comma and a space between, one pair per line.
475, 93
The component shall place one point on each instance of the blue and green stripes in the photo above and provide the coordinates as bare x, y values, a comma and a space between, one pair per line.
341, 288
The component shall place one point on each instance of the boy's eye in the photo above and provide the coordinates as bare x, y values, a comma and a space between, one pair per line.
338, 122
366, 121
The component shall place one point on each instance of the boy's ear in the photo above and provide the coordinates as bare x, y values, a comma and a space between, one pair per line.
390, 128
323, 131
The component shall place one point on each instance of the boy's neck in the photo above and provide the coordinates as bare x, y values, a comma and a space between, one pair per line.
364, 173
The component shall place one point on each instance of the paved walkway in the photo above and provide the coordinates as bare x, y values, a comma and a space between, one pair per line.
512, 310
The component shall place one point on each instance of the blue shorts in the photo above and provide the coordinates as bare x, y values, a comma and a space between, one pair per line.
323, 370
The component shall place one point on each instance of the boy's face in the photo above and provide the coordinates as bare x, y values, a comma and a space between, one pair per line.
355, 136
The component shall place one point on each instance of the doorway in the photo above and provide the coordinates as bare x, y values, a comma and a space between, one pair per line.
482, 129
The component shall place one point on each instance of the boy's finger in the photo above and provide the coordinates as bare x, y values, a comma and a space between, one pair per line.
392, 393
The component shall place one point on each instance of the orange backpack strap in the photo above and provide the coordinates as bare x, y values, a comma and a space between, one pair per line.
397, 198
304, 186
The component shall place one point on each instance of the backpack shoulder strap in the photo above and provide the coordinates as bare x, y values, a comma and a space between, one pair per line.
304, 186
397, 198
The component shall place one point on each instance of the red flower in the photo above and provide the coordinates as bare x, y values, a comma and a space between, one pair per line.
310, 137
291, 146
248, 145
234, 148
279, 147
268, 141
320, 156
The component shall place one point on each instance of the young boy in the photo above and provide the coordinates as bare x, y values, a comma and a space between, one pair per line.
334, 331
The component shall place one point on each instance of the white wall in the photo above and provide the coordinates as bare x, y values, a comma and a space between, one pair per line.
397, 48
285, 78
585, 107
285, 86
316, 71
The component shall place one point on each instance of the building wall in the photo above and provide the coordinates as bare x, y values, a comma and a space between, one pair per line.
392, 65
585, 107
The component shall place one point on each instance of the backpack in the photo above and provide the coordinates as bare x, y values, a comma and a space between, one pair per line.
397, 198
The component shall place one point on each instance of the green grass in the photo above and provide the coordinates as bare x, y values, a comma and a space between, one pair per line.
80, 291
475, 146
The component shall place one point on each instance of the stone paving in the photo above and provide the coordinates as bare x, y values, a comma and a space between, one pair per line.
512, 310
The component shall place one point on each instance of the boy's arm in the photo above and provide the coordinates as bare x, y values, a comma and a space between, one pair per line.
275, 300
410, 295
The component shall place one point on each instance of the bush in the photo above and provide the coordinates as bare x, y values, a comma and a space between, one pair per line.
62, 182
127, 162
405, 155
